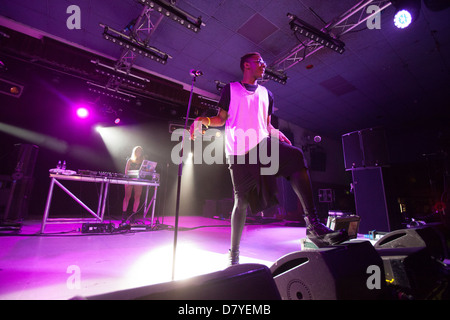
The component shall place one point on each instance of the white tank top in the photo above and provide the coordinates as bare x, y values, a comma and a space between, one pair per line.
246, 125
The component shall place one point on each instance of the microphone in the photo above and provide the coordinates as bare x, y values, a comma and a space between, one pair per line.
196, 73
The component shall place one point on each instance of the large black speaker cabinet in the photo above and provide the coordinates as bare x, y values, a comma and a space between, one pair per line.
352, 270
365, 148
375, 201
22, 170
434, 237
239, 282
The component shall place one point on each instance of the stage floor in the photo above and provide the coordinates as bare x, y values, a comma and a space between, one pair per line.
63, 262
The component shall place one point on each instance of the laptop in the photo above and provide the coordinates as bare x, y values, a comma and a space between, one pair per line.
147, 169
148, 166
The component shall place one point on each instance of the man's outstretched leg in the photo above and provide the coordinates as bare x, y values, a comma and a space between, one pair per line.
316, 231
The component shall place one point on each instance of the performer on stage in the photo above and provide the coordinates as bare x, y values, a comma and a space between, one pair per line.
133, 163
246, 107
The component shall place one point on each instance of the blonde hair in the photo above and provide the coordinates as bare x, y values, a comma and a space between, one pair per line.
133, 153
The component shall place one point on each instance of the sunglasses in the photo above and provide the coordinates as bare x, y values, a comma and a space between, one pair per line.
260, 62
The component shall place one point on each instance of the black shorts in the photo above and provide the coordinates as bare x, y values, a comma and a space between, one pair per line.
247, 172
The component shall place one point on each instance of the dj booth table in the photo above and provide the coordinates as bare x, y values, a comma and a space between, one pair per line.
105, 182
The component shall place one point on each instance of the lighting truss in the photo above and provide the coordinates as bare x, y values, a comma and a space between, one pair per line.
141, 29
109, 92
138, 32
316, 36
134, 45
120, 75
274, 75
168, 10
335, 29
209, 103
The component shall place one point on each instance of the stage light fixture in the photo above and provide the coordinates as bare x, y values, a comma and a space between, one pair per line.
219, 85
274, 75
134, 45
168, 10
10, 88
115, 69
121, 79
304, 29
402, 19
110, 93
407, 11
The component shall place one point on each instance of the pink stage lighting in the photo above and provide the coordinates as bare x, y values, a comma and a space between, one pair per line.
82, 112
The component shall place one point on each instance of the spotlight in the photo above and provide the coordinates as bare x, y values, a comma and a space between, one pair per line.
407, 12
10, 88
402, 19
117, 121
14, 90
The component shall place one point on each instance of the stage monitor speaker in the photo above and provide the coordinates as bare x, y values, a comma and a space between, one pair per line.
411, 272
341, 272
374, 200
365, 148
431, 237
239, 282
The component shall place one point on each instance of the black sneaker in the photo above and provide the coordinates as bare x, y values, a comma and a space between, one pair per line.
323, 236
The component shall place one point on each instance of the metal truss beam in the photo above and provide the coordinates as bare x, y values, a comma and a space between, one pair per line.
141, 30
341, 25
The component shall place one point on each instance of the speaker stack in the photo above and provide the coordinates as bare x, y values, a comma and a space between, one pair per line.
366, 156
22, 180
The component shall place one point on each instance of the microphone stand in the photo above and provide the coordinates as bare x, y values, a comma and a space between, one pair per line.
180, 173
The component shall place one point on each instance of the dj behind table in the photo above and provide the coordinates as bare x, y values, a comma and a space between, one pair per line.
145, 176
